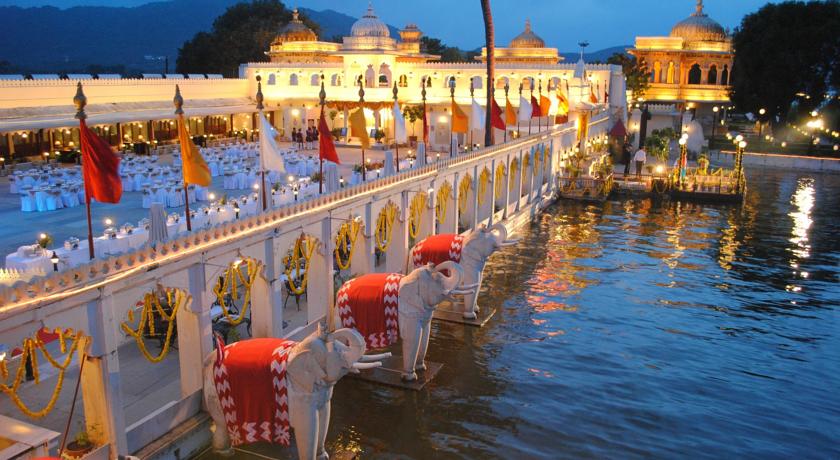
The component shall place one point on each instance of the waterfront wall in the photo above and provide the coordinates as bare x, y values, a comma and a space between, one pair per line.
756, 161
96, 298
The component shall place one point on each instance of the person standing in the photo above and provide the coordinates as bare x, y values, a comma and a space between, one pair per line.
640, 158
626, 158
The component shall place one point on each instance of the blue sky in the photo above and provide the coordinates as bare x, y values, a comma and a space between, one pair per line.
562, 23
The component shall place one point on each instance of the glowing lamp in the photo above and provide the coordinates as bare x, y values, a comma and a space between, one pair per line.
742, 144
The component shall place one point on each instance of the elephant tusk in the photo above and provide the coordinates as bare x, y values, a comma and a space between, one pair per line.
507, 243
371, 358
363, 366
462, 291
470, 286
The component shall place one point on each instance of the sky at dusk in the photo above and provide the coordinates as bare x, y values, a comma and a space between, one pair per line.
561, 23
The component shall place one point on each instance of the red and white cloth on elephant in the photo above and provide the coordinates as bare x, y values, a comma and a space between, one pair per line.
369, 304
438, 249
250, 379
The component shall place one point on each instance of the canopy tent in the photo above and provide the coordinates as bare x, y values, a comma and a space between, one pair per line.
618, 129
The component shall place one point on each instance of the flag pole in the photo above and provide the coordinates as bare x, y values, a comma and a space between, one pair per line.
539, 119
179, 110
530, 117
507, 103
323, 100
362, 108
259, 97
396, 141
520, 108
80, 101
452, 117
472, 98
423, 95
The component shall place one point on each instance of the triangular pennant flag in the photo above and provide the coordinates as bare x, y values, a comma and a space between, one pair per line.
535, 108
496, 114
270, 155
460, 122
194, 167
545, 105
326, 147
100, 167
358, 127
400, 134
510, 113
524, 109
478, 116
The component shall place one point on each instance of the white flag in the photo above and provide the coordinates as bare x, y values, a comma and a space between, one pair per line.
399, 125
524, 109
478, 115
270, 155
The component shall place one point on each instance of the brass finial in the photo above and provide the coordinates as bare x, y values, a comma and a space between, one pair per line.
423, 91
80, 101
361, 90
178, 101
395, 91
520, 89
507, 88
540, 87
260, 98
323, 94
472, 88
452, 89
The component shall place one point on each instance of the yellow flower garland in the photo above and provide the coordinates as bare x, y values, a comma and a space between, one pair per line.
442, 201
500, 180
385, 226
348, 233
230, 282
29, 347
514, 167
537, 158
304, 247
151, 304
463, 192
416, 210
483, 182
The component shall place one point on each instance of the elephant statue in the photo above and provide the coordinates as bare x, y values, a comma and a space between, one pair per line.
256, 389
470, 251
386, 306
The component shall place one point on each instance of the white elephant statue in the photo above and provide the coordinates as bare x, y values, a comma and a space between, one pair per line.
386, 306
470, 251
256, 389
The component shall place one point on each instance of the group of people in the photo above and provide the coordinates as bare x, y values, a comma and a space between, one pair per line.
305, 140
640, 158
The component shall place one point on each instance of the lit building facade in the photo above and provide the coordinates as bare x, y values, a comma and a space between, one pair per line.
690, 70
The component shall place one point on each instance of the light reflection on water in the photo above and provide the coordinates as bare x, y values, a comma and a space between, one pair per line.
637, 330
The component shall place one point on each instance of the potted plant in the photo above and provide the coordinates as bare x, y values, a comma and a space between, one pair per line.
81, 444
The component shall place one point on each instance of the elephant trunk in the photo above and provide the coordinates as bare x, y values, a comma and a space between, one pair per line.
363, 366
500, 233
456, 274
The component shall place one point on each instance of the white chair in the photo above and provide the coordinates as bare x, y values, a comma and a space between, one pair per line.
53, 200
41, 200
147, 198
27, 201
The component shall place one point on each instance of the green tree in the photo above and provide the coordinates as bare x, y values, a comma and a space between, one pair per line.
242, 34
784, 49
447, 53
635, 71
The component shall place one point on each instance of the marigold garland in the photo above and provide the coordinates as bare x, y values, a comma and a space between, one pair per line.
463, 192
514, 167
483, 182
415, 213
385, 226
303, 249
151, 306
348, 233
29, 347
500, 181
230, 283
442, 201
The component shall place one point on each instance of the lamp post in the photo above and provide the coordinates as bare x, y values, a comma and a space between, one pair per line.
715, 111
683, 159
236, 209
761, 113
362, 108
452, 116
54, 259
507, 102
739, 164
396, 141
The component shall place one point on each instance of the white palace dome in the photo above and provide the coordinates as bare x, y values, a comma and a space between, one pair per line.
369, 26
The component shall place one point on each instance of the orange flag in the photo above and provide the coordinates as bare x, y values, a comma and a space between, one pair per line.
460, 122
545, 105
194, 167
100, 168
510, 114
592, 97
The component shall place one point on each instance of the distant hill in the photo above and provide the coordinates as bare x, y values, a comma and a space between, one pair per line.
595, 56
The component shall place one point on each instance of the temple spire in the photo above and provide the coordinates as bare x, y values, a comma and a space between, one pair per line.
699, 9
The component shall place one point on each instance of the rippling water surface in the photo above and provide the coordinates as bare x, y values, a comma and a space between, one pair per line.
637, 329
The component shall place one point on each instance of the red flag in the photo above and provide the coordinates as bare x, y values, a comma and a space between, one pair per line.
100, 168
535, 108
496, 116
326, 147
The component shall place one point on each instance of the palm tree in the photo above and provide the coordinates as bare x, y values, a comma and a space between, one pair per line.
491, 67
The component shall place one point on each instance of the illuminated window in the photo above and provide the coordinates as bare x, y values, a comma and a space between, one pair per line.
272, 79
694, 75
293, 79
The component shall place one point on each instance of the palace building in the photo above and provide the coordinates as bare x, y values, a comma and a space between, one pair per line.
690, 69
36, 113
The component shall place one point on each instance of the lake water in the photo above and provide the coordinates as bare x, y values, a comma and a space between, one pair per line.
636, 329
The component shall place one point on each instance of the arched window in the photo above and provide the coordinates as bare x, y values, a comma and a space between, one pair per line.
724, 76
447, 80
335, 80
501, 82
555, 82
315, 80
383, 81
403, 81
293, 79
370, 77
694, 75
671, 71
426, 79
384, 76
528, 83
712, 77
657, 72
477, 82
272, 79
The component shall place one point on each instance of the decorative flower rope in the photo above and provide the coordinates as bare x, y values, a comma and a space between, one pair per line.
500, 180
229, 283
463, 192
483, 182
442, 201
345, 243
415, 213
29, 355
303, 249
151, 305
514, 167
385, 226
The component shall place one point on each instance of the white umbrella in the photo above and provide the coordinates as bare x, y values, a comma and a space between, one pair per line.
421, 153
157, 224
388, 166
330, 177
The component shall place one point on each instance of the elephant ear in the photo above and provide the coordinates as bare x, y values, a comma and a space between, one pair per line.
304, 371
